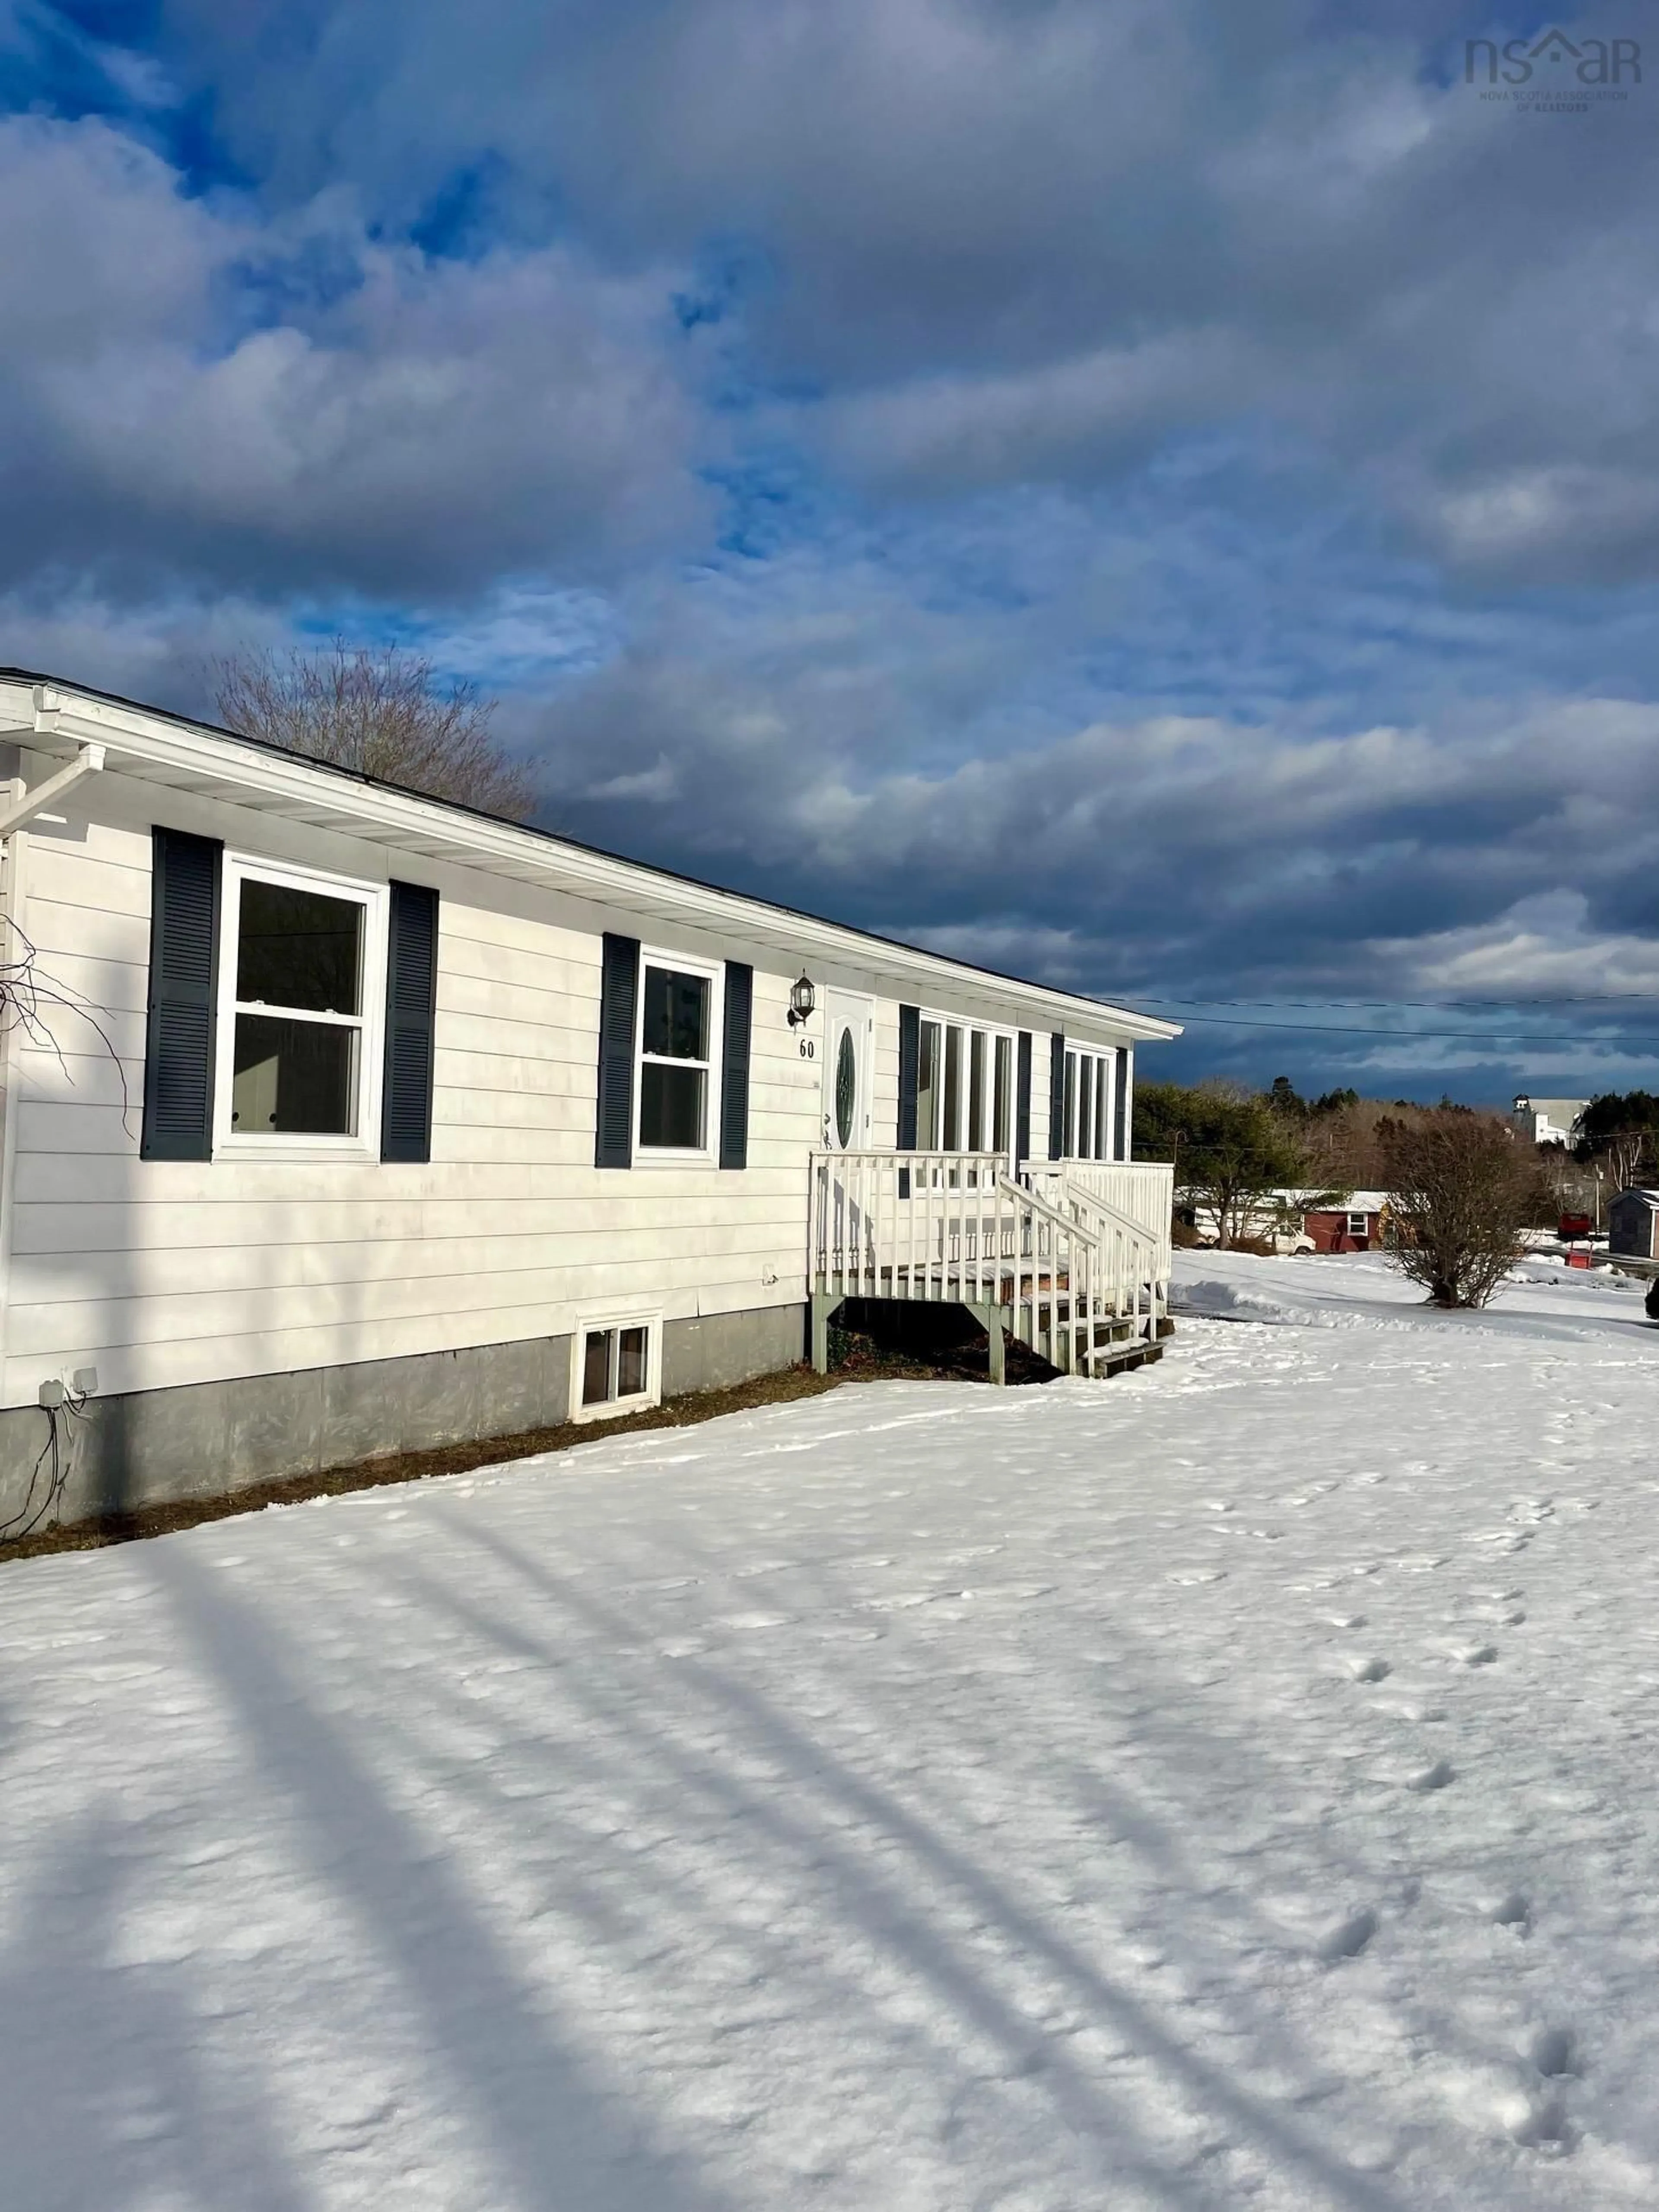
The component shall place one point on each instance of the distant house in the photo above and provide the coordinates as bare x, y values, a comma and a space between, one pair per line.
1633, 1224
1285, 1220
1355, 1225
1549, 1121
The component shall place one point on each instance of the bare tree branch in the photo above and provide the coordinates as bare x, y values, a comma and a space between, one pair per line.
386, 713
25, 994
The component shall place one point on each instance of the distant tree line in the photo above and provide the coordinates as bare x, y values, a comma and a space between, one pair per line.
1619, 1133
1461, 1191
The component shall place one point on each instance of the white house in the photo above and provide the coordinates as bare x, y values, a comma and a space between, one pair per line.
1549, 1121
351, 1121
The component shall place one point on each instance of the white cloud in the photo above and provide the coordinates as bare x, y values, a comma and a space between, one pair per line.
427, 425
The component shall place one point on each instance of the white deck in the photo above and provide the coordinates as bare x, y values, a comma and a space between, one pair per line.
1073, 1260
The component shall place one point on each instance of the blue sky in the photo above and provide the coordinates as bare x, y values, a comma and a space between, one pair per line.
1164, 497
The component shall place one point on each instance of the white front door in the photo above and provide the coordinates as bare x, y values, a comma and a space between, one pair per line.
849, 1029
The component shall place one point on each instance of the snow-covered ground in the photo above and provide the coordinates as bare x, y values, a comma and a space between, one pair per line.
1232, 1785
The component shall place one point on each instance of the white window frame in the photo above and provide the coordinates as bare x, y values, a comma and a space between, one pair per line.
1364, 1222
682, 963
375, 899
947, 1140
614, 1320
1102, 1097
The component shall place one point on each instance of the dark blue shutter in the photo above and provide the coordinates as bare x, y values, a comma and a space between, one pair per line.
734, 1064
411, 985
1057, 1096
1120, 1105
619, 994
909, 1075
180, 1033
1022, 1101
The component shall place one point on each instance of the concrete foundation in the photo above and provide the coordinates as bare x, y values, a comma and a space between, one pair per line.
205, 1439
723, 1349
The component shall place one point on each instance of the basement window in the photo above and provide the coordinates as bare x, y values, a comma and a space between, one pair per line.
615, 1367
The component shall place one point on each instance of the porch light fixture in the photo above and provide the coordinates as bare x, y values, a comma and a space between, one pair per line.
802, 999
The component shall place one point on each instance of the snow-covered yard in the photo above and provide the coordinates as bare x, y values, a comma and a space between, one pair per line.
1233, 1785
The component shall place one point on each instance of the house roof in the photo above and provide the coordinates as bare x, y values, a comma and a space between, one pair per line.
1355, 1202
1649, 1198
157, 746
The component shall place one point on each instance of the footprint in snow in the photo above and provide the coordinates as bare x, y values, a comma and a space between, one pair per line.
1554, 2052
1349, 1937
1368, 1670
1512, 1910
1417, 1710
1429, 1778
1504, 1613
1475, 1655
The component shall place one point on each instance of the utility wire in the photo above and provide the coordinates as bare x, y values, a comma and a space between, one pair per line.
1425, 1005
1424, 1036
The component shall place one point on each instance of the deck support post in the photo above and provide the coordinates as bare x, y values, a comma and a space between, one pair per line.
993, 1320
824, 1304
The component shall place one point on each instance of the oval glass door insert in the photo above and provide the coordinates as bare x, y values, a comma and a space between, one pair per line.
847, 1087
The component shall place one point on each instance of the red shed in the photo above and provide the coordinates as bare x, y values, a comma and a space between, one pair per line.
1356, 1226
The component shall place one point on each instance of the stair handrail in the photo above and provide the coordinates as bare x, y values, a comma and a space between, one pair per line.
1053, 1214
1143, 1248
1078, 1195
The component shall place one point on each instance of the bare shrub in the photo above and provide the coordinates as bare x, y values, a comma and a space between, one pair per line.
386, 713
1461, 1192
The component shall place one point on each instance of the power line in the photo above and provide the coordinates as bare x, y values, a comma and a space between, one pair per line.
1424, 1036
1425, 1006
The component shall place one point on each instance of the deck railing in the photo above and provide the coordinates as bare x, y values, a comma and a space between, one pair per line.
1128, 1206
1050, 1258
1142, 1191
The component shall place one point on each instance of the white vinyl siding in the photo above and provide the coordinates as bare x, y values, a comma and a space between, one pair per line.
160, 1273
166, 1272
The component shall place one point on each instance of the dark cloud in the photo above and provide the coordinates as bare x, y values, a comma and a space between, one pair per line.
1160, 493
1007, 241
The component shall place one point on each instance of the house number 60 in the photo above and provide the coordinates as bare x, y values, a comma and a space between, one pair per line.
808, 1048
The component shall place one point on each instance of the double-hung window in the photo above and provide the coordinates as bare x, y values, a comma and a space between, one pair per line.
302, 982
964, 1088
1087, 1105
679, 1049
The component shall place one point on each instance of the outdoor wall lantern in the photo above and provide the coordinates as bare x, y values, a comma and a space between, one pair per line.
802, 999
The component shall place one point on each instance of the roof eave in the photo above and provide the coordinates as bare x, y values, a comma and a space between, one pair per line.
160, 748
